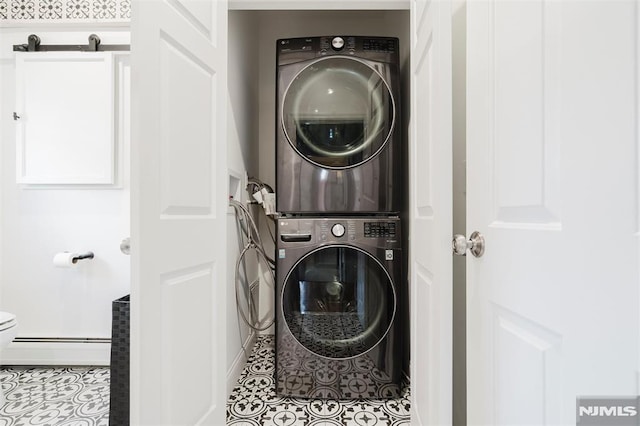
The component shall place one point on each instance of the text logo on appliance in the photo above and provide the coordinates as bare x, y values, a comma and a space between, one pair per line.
608, 411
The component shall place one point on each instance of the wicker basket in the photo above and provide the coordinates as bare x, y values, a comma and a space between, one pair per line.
119, 396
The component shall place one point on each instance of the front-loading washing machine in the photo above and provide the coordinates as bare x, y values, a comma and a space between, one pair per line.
338, 138
339, 281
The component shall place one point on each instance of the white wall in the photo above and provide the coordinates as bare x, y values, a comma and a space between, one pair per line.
37, 223
459, 51
242, 134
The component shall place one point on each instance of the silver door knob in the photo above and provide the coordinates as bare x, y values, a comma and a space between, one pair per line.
475, 244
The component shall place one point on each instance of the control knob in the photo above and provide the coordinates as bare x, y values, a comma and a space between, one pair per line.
338, 230
337, 43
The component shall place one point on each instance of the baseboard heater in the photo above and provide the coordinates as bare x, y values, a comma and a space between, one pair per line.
61, 340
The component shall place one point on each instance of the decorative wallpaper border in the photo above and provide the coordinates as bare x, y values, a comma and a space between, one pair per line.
64, 10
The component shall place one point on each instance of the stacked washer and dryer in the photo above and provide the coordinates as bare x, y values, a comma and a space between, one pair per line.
339, 277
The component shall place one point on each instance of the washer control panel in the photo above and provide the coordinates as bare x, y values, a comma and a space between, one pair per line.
379, 45
306, 232
380, 229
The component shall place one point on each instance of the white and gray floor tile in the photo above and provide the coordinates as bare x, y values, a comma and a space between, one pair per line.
79, 396
75, 396
254, 401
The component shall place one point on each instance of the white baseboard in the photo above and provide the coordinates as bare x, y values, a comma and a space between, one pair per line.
56, 353
239, 363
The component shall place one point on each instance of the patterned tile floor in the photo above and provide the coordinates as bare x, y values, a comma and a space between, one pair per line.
77, 396
254, 401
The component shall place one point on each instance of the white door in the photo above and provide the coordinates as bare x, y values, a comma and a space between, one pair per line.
552, 183
179, 202
430, 213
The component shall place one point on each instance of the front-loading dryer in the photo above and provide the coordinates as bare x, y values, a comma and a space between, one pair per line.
338, 286
338, 138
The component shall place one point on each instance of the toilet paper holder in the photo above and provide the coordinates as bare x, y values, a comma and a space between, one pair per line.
69, 260
87, 255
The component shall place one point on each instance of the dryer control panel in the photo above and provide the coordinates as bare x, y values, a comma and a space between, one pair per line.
383, 49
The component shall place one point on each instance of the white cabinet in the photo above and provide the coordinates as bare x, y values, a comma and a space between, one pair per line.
65, 118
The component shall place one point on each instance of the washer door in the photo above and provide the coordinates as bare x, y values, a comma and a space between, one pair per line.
338, 302
338, 112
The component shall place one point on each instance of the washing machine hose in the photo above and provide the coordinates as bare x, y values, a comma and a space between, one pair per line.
252, 310
254, 243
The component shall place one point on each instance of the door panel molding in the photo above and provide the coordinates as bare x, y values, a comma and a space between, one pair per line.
423, 336
524, 64
187, 296
193, 11
424, 109
186, 164
540, 349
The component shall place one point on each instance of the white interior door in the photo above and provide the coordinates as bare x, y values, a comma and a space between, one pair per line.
552, 183
431, 213
179, 202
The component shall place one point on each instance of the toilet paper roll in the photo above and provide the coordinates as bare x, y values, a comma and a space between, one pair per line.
65, 260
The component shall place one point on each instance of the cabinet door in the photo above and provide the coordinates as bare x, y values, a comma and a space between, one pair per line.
65, 118
179, 205
431, 213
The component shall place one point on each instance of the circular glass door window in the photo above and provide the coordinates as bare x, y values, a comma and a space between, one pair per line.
338, 112
338, 302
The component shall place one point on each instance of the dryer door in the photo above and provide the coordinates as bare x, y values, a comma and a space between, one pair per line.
338, 112
338, 302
